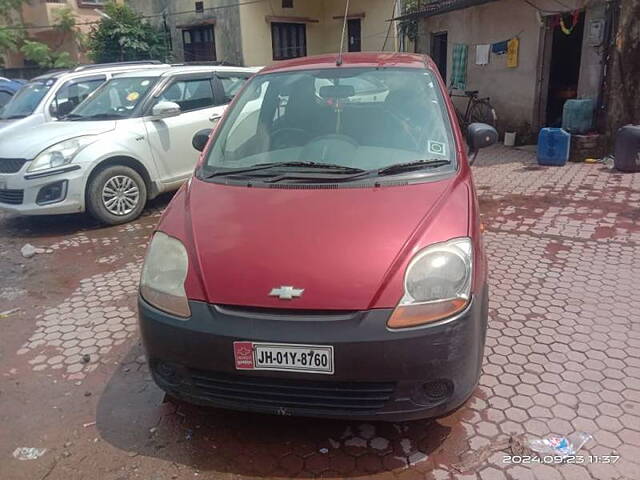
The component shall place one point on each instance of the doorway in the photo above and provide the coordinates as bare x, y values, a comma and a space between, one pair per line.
354, 34
439, 52
564, 69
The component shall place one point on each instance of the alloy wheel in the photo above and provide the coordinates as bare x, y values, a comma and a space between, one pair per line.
120, 195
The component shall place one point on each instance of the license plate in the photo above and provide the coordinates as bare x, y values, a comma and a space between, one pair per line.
283, 357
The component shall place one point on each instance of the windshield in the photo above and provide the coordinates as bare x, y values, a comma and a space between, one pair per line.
118, 98
25, 101
358, 118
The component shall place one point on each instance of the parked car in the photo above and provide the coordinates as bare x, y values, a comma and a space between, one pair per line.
51, 96
326, 258
8, 88
127, 143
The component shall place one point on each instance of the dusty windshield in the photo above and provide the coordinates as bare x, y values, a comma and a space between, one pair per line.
25, 101
118, 98
356, 118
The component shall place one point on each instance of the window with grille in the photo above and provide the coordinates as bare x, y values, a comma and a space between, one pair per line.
199, 44
289, 40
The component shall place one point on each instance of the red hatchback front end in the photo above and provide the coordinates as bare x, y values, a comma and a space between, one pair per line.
326, 258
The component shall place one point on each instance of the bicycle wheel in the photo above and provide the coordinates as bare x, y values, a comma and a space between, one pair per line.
483, 112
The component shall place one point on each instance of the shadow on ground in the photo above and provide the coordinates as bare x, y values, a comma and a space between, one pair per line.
51, 226
132, 416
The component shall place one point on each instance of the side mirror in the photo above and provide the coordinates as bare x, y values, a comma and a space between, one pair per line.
480, 135
201, 138
165, 110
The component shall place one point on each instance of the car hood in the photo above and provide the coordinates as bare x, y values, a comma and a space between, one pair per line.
339, 245
27, 144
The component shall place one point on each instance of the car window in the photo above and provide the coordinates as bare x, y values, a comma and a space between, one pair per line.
4, 98
73, 93
367, 118
190, 94
232, 83
117, 98
27, 99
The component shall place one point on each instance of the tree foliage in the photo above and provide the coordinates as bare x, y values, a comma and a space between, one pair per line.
410, 27
45, 56
125, 36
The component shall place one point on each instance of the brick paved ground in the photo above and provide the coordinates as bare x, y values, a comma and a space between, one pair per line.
563, 353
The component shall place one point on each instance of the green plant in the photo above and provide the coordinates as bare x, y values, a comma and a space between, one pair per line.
409, 28
45, 56
124, 35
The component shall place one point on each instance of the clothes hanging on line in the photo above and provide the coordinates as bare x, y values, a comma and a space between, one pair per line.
459, 67
482, 54
500, 48
512, 52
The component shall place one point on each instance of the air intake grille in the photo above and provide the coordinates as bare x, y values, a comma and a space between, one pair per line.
333, 397
11, 165
13, 197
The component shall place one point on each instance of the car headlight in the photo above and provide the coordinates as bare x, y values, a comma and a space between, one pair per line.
163, 275
60, 154
437, 284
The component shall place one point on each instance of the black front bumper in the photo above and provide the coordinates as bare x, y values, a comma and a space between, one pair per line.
380, 374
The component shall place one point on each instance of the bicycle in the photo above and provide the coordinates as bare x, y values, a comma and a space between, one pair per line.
478, 110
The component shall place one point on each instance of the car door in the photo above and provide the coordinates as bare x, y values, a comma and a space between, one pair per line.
170, 138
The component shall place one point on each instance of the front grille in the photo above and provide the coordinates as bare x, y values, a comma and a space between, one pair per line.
11, 165
330, 397
14, 197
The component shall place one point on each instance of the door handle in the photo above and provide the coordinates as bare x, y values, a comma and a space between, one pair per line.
215, 117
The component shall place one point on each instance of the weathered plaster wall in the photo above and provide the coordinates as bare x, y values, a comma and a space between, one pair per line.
514, 92
227, 27
323, 36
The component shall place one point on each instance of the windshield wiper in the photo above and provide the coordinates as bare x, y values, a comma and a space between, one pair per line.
13, 117
266, 166
410, 166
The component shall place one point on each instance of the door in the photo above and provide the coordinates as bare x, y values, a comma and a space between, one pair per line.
354, 34
170, 138
199, 44
439, 52
564, 66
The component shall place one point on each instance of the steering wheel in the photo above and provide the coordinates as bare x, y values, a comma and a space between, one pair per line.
279, 139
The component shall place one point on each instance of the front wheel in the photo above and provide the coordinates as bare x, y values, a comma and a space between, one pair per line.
116, 195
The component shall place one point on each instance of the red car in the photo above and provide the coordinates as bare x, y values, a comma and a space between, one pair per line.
326, 257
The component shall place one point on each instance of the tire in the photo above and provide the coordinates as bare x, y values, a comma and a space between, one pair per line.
483, 112
116, 195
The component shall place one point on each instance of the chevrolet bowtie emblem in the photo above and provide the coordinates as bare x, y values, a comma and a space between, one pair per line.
286, 293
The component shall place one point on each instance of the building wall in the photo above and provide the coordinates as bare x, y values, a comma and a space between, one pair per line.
40, 13
514, 92
182, 13
323, 36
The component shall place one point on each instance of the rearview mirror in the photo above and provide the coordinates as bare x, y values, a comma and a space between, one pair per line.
337, 91
480, 135
164, 110
200, 139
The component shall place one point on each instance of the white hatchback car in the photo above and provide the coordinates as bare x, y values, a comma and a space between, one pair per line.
128, 142
53, 95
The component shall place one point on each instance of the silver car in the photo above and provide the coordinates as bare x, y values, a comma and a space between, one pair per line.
127, 143
51, 96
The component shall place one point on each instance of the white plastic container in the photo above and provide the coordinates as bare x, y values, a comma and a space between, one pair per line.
510, 139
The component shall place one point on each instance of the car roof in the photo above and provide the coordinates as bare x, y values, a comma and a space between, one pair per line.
360, 59
178, 69
98, 68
